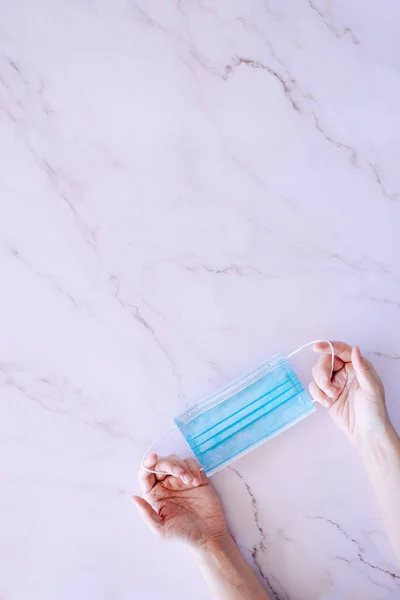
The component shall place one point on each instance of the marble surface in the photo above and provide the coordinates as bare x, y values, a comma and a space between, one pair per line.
186, 188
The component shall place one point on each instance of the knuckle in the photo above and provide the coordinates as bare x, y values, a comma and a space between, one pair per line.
173, 460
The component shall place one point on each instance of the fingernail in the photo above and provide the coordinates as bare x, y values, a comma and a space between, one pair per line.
177, 471
325, 403
196, 481
186, 478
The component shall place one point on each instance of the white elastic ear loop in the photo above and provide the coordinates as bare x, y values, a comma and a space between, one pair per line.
160, 437
311, 344
172, 430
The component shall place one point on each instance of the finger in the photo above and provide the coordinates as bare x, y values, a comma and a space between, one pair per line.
150, 460
365, 372
147, 480
341, 349
194, 469
173, 465
322, 375
319, 396
148, 514
338, 363
203, 477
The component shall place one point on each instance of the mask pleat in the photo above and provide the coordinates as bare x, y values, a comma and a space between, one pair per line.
248, 424
247, 415
244, 408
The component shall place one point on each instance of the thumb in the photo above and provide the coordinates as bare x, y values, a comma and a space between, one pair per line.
362, 368
149, 515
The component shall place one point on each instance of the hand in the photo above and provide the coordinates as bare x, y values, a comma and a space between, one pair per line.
355, 396
181, 505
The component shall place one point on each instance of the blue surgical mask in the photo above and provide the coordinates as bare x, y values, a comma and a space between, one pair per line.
245, 413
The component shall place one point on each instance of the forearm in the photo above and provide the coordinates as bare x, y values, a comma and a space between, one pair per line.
381, 458
226, 572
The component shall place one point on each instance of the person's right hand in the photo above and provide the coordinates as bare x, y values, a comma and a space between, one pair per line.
355, 396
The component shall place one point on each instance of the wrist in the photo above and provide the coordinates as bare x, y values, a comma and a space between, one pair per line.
215, 545
378, 442
380, 433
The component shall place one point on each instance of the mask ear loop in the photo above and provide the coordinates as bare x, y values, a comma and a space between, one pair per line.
162, 436
311, 344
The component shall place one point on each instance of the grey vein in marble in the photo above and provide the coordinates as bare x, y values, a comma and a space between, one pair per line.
394, 573
260, 548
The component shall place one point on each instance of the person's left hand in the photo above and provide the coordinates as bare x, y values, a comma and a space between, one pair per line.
182, 504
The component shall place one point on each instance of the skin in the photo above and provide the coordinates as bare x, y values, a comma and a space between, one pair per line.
355, 401
354, 396
183, 505
179, 503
